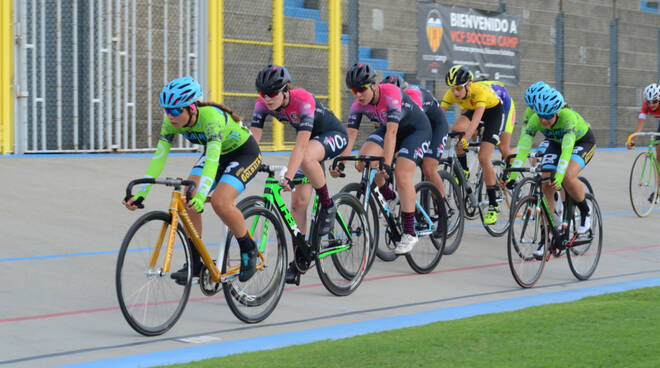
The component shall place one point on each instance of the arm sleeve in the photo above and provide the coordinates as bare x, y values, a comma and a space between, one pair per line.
213, 149
567, 144
354, 116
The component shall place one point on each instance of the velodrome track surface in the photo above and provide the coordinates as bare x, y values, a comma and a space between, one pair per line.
62, 224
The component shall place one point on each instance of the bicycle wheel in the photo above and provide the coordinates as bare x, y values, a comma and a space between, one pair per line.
584, 254
357, 191
643, 185
504, 199
471, 190
527, 235
343, 253
588, 187
254, 300
251, 201
455, 212
523, 188
426, 254
149, 299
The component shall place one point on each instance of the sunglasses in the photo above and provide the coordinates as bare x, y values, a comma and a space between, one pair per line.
546, 117
653, 102
360, 89
269, 94
175, 111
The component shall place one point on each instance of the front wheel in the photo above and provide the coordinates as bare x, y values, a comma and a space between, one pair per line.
426, 254
504, 202
528, 241
343, 254
643, 186
584, 254
357, 190
149, 298
254, 300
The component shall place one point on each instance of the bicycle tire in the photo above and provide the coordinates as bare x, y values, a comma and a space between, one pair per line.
340, 277
520, 249
139, 243
254, 300
523, 188
499, 228
427, 194
455, 212
641, 192
583, 259
250, 201
357, 191
587, 184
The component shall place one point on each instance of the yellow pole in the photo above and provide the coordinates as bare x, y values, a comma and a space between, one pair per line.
278, 58
216, 50
334, 56
6, 73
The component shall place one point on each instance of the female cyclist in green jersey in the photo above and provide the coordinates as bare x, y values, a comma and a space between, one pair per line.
571, 147
230, 160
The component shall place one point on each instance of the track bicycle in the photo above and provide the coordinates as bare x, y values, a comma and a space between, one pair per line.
150, 299
341, 256
644, 180
426, 254
473, 188
534, 235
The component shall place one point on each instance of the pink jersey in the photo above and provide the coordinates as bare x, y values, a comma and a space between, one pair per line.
299, 112
416, 95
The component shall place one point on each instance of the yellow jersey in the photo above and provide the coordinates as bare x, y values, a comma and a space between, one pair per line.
479, 95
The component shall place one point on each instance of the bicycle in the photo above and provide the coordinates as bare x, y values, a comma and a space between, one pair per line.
473, 189
534, 235
149, 298
424, 257
644, 184
341, 256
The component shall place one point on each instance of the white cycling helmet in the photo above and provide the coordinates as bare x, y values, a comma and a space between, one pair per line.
652, 92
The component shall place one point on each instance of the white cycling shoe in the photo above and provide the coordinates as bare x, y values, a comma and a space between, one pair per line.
406, 244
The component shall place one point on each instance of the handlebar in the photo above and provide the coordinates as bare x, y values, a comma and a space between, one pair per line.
367, 159
170, 182
533, 170
277, 171
628, 141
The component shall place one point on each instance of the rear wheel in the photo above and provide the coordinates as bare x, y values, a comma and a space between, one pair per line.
150, 300
504, 200
528, 242
426, 254
643, 184
343, 253
255, 299
584, 254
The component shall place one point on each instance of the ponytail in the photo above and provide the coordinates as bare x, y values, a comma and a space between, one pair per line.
221, 107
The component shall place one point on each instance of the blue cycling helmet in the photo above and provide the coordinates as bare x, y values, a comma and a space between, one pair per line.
533, 90
548, 102
181, 92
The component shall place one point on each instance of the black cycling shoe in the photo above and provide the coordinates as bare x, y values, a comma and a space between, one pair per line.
292, 274
327, 219
248, 265
181, 276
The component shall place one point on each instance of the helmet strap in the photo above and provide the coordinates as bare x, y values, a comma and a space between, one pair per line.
375, 94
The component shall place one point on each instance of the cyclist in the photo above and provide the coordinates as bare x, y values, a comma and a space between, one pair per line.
651, 106
572, 144
478, 103
402, 128
230, 160
429, 104
320, 136
509, 115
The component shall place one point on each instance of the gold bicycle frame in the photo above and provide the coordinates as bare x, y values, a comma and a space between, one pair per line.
178, 212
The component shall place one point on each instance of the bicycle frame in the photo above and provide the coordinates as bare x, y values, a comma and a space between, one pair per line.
273, 197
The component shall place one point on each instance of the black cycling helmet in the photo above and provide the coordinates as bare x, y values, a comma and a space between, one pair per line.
359, 75
458, 75
272, 78
395, 80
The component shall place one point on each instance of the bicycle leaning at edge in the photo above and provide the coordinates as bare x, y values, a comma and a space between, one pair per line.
341, 256
644, 181
150, 299
534, 235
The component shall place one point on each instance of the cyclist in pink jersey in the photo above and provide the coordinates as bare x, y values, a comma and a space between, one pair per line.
650, 107
320, 136
429, 104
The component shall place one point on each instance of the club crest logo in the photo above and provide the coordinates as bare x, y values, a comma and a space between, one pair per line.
434, 29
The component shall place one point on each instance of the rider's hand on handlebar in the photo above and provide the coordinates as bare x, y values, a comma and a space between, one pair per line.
287, 184
336, 171
386, 171
197, 203
133, 203
630, 145
465, 143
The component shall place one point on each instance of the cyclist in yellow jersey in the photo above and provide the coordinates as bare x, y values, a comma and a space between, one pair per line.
478, 103
509, 115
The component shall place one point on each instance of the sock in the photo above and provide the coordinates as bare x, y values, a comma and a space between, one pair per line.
246, 243
387, 192
462, 159
408, 223
324, 197
492, 197
584, 209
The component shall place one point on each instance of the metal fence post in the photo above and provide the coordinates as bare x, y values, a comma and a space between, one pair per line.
614, 51
6, 71
559, 52
353, 31
334, 57
20, 79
